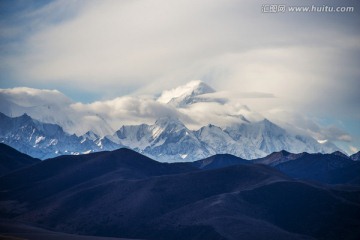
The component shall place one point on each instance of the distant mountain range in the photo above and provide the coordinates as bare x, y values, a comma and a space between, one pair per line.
124, 194
43, 123
168, 140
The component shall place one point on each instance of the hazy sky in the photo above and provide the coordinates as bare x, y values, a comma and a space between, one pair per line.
308, 64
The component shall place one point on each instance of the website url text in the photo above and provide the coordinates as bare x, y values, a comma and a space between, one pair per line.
279, 8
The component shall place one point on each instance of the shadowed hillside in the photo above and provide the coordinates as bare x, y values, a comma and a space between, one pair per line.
11, 159
124, 194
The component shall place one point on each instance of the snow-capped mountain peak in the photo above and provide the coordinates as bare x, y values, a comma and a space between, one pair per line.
183, 95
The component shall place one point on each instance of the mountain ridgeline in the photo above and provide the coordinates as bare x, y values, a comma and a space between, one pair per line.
43, 123
124, 194
167, 140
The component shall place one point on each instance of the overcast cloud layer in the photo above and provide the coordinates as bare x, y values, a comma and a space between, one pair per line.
298, 67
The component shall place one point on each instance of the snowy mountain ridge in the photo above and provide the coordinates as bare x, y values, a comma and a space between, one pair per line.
53, 125
167, 140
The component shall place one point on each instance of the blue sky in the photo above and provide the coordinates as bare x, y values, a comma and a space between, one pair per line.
98, 50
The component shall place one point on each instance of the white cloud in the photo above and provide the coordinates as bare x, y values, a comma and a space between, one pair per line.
302, 123
159, 44
28, 97
130, 110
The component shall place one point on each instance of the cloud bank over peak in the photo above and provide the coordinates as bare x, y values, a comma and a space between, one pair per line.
196, 104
